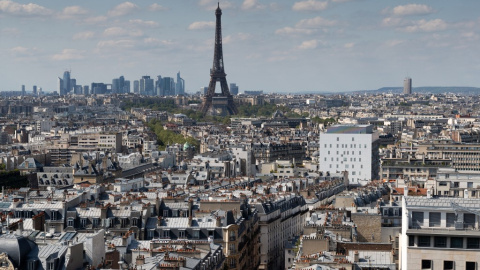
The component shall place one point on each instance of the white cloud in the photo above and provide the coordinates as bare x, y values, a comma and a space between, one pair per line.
155, 42
73, 11
310, 5
412, 9
393, 42
236, 38
251, 4
83, 35
69, 54
144, 23
315, 23
391, 21
342, 1
22, 51
293, 31
123, 43
308, 45
156, 7
426, 26
121, 31
123, 9
95, 20
13, 8
201, 25
349, 45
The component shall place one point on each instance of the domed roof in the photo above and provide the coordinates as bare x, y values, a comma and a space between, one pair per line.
17, 247
186, 146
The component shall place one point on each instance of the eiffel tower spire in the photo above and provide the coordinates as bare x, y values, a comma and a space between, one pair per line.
217, 74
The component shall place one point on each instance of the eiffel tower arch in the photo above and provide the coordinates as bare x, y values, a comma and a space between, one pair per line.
219, 103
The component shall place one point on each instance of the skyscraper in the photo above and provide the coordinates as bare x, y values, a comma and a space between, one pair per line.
158, 86
23, 90
66, 87
167, 85
407, 86
146, 86
34, 90
136, 86
233, 89
60, 86
180, 85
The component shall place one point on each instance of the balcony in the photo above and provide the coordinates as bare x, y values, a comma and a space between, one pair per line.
459, 229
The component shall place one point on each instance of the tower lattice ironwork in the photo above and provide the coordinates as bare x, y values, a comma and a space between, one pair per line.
217, 74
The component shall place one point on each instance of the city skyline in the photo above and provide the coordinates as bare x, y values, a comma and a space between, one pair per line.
275, 46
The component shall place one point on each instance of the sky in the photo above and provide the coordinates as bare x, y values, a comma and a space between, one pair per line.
277, 46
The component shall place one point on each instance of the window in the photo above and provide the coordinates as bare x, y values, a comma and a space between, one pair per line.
451, 217
470, 266
411, 240
440, 241
447, 265
181, 234
469, 220
338, 139
353, 139
417, 219
32, 265
456, 242
424, 241
83, 222
426, 264
473, 243
434, 219
443, 184
231, 248
166, 233
196, 234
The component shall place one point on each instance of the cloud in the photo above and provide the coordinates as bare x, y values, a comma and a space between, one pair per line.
412, 9
143, 23
201, 25
109, 44
426, 26
251, 4
349, 45
95, 20
10, 31
315, 23
155, 42
123, 9
83, 35
72, 11
391, 21
342, 1
156, 7
236, 38
292, 31
20, 51
121, 31
69, 54
12, 8
310, 5
308, 45
393, 42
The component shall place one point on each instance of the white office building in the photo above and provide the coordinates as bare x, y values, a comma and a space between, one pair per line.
351, 148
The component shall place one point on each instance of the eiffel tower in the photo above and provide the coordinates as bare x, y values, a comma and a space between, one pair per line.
218, 101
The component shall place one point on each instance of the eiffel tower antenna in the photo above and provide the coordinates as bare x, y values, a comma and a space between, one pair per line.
222, 100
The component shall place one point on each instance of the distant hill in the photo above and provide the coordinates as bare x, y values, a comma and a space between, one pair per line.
463, 90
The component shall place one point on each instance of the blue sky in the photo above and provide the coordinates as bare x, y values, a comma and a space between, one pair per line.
275, 46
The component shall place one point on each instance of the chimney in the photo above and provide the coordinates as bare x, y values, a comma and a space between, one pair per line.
405, 191
429, 194
159, 221
356, 256
140, 260
218, 222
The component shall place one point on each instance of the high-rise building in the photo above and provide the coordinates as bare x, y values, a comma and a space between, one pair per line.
66, 87
126, 87
351, 148
86, 90
158, 86
233, 89
99, 88
119, 85
136, 86
34, 90
180, 85
60, 86
23, 90
146, 86
167, 86
407, 86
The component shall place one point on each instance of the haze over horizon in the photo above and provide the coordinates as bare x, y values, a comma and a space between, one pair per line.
275, 46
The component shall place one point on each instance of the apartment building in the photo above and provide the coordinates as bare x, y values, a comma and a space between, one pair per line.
464, 157
439, 233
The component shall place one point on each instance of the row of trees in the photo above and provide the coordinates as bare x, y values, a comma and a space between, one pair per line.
166, 137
